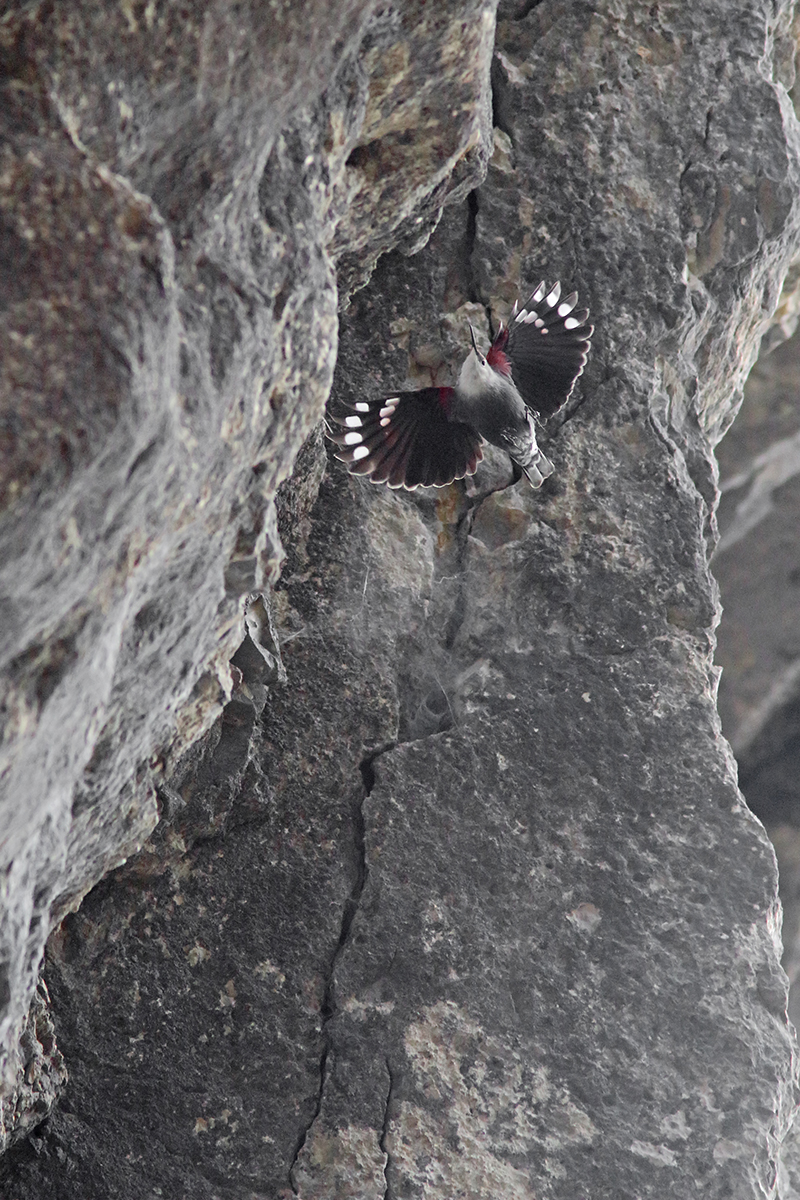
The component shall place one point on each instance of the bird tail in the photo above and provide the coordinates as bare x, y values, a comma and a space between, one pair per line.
529, 458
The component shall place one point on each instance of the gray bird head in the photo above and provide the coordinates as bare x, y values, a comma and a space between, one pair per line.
476, 376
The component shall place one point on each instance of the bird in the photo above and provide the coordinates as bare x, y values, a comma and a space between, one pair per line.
433, 436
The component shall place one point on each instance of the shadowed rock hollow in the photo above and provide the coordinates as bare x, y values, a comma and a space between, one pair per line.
438, 880
757, 563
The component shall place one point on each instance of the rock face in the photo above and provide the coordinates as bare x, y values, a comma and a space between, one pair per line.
174, 189
453, 892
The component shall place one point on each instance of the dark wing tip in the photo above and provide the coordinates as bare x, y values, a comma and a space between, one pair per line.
406, 440
548, 347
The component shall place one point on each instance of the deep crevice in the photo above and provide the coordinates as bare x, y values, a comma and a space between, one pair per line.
368, 775
525, 10
351, 904
328, 1008
385, 1133
458, 613
317, 1110
470, 241
499, 117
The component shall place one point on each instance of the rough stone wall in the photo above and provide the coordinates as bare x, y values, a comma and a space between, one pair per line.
457, 895
175, 184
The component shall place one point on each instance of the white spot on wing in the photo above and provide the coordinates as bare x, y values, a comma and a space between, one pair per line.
553, 297
361, 406
529, 318
567, 306
539, 323
537, 295
385, 421
387, 410
352, 439
522, 315
571, 323
360, 452
353, 422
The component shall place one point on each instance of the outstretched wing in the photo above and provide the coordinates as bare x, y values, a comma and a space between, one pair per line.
407, 440
547, 345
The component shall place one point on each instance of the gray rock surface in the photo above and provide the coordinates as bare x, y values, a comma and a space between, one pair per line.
175, 188
469, 903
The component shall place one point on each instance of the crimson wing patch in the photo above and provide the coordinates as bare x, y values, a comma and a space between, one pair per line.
547, 344
406, 440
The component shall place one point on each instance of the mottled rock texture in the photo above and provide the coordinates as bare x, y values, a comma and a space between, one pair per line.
176, 184
457, 895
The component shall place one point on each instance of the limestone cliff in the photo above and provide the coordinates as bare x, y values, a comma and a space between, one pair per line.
439, 883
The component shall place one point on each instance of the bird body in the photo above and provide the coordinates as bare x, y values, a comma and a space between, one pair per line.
433, 436
486, 398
